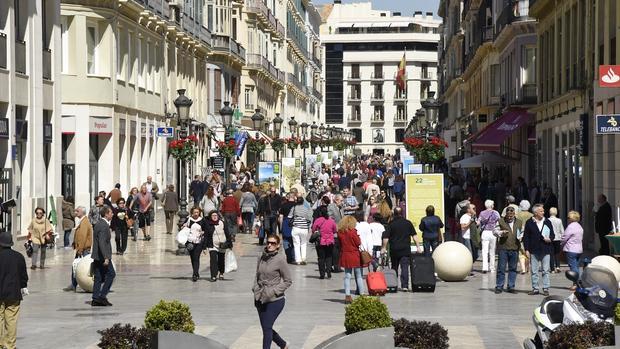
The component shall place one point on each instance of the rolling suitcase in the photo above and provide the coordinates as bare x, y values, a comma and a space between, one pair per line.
376, 283
391, 280
422, 273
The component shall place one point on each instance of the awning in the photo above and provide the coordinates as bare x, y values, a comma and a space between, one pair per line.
486, 158
492, 136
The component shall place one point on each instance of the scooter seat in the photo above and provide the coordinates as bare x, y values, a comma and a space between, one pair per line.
555, 312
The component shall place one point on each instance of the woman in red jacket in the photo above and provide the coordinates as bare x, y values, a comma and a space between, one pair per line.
231, 211
350, 258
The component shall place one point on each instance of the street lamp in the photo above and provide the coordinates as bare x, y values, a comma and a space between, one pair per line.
321, 134
313, 130
420, 121
277, 127
257, 121
292, 125
226, 112
183, 104
304, 134
431, 105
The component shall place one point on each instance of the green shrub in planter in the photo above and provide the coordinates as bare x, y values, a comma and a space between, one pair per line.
125, 337
366, 313
617, 318
419, 335
582, 336
169, 316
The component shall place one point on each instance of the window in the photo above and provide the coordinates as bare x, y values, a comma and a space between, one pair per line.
356, 113
529, 65
378, 114
92, 41
399, 134
141, 64
64, 42
378, 71
355, 71
496, 80
130, 58
358, 134
149, 66
400, 113
248, 99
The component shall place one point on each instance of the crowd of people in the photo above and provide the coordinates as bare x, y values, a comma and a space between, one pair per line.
356, 206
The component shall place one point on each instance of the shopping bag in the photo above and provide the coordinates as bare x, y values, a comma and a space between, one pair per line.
182, 235
75, 263
240, 221
230, 261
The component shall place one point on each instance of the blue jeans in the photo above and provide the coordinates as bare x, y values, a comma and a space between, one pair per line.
103, 275
67, 238
511, 258
430, 244
573, 261
467, 243
268, 314
287, 245
535, 263
359, 281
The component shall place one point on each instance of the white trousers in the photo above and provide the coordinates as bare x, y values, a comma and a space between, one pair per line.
300, 243
488, 250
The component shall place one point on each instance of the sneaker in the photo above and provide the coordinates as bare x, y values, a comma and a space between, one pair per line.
545, 292
69, 289
33, 267
533, 292
97, 303
404, 289
303, 263
194, 278
348, 299
512, 290
498, 290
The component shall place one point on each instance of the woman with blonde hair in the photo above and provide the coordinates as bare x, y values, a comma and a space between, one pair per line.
350, 258
40, 232
572, 241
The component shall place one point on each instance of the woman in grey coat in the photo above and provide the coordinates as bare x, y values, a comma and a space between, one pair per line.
248, 206
272, 279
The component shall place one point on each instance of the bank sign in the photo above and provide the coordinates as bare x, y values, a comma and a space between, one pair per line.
166, 132
608, 124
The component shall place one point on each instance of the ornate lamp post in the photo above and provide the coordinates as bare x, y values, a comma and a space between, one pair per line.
321, 134
292, 124
313, 130
257, 121
431, 106
277, 127
227, 112
304, 134
183, 104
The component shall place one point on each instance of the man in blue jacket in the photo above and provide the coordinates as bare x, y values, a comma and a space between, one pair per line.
538, 245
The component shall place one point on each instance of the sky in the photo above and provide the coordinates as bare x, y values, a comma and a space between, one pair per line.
406, 7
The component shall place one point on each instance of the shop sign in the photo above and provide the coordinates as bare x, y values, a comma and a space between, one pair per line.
4, 128
101, 125
166, 132
143, 130
218, 163
608, 124
609, 75
582, 146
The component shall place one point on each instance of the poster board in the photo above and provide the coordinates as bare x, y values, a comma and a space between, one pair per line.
422, 190
326, 158
408, 161
269, 173
291, 172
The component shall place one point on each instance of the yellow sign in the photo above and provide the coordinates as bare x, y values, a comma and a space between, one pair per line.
421, 191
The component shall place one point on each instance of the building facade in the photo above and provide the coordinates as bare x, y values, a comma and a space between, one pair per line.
30, 108
363, 48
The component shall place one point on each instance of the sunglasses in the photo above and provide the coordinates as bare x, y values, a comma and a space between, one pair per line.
39, 212
272, 243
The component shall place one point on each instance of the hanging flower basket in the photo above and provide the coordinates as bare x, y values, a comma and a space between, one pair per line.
227, 150
339, 144
183, 149
278, 144
256, 145
426, 151
292, 143
304, 144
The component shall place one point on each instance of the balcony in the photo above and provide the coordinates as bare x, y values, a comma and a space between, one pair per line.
355, 97
354, 77
223, 43
249, 107
400, 97
317, 61
20, 57
262, 64
298, 46
427, 75
378, 75
377, 119
400, 120
354, 120
529, 94
264, 14
507, 17
47, 64
292, 79
317, 94
377, 97
3, 51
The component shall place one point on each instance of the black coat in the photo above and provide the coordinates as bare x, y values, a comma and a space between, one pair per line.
533, 241
602, 219
210, 230
13, 275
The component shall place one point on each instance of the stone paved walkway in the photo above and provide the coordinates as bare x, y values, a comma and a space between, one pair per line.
149, 271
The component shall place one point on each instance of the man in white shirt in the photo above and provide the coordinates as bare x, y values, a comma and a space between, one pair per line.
466, 221
376, 230
324, 177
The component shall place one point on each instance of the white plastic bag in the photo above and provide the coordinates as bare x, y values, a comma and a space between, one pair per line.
75, 263
182, 235
231, 261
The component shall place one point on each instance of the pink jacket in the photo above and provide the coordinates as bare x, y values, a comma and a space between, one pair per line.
328, 229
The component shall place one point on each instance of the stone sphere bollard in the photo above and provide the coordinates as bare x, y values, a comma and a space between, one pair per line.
453, 261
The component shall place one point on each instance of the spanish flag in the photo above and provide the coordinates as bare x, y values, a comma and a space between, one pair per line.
400, 77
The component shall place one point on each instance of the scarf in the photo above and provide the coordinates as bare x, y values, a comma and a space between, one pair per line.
268, 255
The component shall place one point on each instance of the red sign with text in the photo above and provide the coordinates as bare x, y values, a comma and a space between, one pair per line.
609, 75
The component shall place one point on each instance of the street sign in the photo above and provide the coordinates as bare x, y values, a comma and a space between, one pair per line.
609, 75
218, 163
608, 124
166, 132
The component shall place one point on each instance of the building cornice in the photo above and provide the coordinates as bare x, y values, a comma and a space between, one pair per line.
511, 31
481, 53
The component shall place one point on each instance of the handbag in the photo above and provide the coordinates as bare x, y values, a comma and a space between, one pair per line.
316, 235
189, 246
28, 247
365, 257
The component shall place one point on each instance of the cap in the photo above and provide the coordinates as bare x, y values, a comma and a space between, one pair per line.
6, 240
